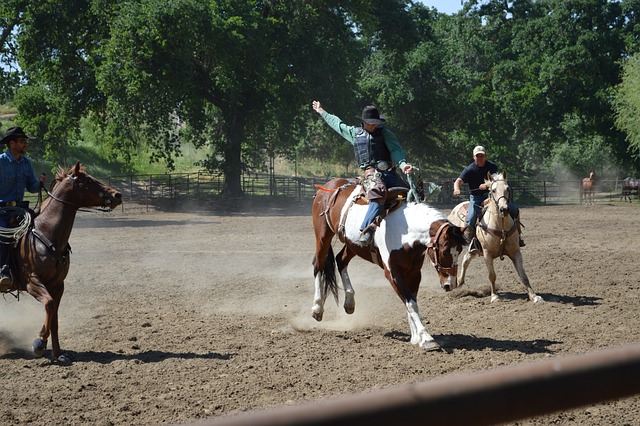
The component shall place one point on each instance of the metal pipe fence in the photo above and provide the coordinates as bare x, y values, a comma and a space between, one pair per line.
143, 192
483, 398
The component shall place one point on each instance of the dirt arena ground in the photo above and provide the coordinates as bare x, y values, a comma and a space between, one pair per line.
172, 318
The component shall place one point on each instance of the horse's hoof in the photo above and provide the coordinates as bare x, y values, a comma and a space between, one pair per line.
538, 299
494, 297
430, 346
39, 346
64, 359
316, 315
350, 309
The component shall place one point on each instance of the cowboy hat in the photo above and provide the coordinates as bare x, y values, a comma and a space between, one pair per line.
370, 115
13, 133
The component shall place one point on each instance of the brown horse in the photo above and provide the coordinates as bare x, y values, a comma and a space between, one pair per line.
43, 253
403, 237
497, 233
587, 189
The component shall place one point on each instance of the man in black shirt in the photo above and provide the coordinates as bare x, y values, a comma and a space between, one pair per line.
474, 175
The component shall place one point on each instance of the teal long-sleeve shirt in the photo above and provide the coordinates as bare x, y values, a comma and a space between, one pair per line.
349, 133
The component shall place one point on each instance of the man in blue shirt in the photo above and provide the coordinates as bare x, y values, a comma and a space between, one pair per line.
474, 175
16, 176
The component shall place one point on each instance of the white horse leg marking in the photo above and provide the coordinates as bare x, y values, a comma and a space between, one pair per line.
462, 271
419, 334
349, 293
518, 263
488, 260
317, 311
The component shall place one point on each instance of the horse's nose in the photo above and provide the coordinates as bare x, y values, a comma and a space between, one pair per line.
117, 198
450, 284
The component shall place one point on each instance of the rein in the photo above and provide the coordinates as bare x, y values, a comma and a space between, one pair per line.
413, 192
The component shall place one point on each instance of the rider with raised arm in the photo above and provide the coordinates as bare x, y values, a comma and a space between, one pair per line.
377, 151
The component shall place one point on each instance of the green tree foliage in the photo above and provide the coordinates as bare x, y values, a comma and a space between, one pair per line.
529, 79
57, 42
10, 20
233, 71
627, 103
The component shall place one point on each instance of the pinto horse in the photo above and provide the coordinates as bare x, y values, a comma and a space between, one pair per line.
587, 189
42, 254
399, 245
497, 234
630, 186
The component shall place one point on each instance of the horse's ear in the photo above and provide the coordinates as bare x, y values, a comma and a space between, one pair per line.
504, 175
76, 168
488, 176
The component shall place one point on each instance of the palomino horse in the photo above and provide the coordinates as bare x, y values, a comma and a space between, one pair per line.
43, 252
497, 233
587, 189
399, 247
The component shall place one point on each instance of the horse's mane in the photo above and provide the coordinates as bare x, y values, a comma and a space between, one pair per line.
61, 174
499, 176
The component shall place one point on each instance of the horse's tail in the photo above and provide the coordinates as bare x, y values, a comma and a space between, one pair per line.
328, 279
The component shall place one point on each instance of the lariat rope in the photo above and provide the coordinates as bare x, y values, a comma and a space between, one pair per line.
413, 192
11, 235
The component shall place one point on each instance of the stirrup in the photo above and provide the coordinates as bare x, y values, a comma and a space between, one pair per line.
469, 235
366, 237
5, 283
474, 246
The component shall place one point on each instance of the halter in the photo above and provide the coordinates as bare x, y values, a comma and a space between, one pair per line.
433, 245
496, 201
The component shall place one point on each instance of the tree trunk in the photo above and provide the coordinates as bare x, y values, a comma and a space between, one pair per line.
232, 168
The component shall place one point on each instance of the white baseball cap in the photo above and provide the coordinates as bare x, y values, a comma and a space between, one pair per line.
479, 150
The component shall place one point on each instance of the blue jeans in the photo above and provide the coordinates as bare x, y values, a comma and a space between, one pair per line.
475, 207
377, 194
391, 179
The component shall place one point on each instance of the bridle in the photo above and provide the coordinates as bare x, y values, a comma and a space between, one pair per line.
500, 233
77, 206
493, 198
434, 246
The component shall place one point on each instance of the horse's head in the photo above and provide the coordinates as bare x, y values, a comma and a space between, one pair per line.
79, 189
499, 191
447, 242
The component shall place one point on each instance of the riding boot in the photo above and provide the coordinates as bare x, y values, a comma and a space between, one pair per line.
5, 271
469, 234
5, 279
366, 237
368, 225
